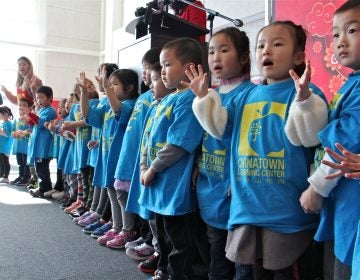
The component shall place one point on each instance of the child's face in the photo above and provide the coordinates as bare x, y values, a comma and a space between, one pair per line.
43, 100
4, 117
146, 75
62, 109
24, 108
275, 53
223, 59
117, 87
173, 71
157, 86
346, 35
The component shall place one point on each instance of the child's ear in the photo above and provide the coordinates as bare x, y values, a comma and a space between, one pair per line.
299, 58
129, 88
244, 58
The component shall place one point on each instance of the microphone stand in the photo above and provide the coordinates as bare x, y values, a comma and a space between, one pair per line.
212, 14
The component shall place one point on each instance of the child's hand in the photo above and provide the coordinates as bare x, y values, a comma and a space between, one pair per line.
198, 81
35, 83
66, 125
348, 166
148, 176
311, 201
102, 78
92, 144
302, 84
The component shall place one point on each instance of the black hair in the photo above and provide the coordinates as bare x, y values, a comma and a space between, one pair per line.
27, 101
156, 67
299, 36
348, 5
241, 43
6, 110
151, 56
109, 67
186, 50
45, 90
128, 78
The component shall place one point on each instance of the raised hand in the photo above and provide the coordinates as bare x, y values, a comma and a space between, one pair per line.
348, 163
198, 81
302, 83
102, 78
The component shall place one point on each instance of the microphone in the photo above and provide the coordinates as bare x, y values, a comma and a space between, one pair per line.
238, 22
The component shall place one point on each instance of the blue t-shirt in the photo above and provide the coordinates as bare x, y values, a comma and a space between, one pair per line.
268, 173
356, 258
65, 150
40, 134
103, 117
174, 123
213, 180
341, 210
116, 145
20, 145
130, 146
6, 140
95, 135
136, 188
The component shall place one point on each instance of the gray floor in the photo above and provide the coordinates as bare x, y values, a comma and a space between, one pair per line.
39, 241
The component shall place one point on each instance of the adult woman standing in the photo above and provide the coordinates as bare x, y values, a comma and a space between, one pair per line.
26, 83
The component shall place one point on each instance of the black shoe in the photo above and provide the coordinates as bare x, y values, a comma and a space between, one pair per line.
78, 212
36, 193
149, 265
67, 203
22, 182
14, 182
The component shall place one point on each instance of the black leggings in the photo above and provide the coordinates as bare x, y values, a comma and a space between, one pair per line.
4, 166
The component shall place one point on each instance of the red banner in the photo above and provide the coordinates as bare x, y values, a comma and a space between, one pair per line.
316, 17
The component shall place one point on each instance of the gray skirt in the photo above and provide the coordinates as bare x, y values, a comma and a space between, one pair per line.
249, 244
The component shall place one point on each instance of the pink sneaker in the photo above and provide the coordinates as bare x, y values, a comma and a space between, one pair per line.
83, 216
110, 235
119, 241
92, 218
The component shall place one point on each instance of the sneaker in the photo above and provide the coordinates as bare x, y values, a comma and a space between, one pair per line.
141, 252
58, 195
22, 182
150, 265
159, 275
14, 182
32, 186
133, 244
77, 212
94, 217
83, 216
92, 227
48, 194
110, 235
120, 240
66, 203
4, 180
101, 230
36, 193
73, 206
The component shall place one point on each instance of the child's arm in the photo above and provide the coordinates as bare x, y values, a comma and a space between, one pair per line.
2, 132
308, 113
207, 105
113, 100
84, 98
73, 124
348, 166
165, 158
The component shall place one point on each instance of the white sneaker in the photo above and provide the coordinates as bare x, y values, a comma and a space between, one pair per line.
4, 180
135, 243
48, 194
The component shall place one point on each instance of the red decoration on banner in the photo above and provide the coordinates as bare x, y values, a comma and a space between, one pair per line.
316, 18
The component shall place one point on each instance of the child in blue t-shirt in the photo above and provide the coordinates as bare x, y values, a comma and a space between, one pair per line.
229, 61
267, 226
112, 117
338, 196
173, 138
21, 131
40, 134
6, 141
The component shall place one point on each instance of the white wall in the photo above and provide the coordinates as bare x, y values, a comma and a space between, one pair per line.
71, 40
251, 12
